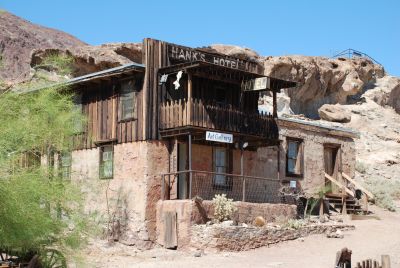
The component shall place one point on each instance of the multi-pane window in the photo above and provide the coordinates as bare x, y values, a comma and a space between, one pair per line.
221, 165
106, 162
127, 100
294, 165
65, 166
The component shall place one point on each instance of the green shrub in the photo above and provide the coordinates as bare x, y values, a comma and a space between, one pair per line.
60, 63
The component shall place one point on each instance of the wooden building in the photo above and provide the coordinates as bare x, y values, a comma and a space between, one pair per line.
182, 123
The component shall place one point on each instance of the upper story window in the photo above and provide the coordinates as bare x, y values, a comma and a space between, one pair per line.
294, 157
106, 162
127, 100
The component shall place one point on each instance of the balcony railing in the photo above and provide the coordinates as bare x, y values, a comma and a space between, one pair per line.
197, 113
207, 184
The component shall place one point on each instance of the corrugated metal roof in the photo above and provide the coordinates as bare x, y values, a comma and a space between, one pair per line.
92, 76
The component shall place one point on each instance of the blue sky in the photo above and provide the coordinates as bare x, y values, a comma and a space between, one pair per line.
316, 28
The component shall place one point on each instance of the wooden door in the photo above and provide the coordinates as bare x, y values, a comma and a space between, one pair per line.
332, 163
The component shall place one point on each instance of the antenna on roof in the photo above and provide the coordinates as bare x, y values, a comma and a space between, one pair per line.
352, 53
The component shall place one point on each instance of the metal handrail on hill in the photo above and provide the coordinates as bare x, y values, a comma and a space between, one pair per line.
352, 53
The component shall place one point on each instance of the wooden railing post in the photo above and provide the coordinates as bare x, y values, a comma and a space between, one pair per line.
162, 187
190, 166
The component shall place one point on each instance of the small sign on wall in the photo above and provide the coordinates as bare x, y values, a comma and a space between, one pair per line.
293, 184
219, 137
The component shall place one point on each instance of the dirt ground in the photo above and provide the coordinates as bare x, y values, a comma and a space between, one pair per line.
371, 239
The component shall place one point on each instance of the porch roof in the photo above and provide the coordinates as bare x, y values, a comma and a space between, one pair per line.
226, 73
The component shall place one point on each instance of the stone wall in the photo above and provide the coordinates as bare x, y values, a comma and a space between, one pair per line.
126, 203
189, 214
240, 238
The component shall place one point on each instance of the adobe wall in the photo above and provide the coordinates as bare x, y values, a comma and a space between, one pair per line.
128, 199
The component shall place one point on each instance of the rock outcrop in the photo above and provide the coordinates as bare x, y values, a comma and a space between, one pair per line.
18, 38
322, 80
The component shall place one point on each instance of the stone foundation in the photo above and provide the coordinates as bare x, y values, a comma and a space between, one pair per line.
239, 238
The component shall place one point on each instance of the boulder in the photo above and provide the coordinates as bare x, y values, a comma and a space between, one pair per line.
243, 53
334, 113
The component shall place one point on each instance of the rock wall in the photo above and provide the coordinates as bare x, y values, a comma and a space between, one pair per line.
239, 238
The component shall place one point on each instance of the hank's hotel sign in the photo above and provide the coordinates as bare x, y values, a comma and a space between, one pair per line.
191, 55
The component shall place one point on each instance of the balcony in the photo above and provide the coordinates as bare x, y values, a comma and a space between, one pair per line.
196, 114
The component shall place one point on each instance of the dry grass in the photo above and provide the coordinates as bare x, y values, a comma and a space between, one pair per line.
385, 192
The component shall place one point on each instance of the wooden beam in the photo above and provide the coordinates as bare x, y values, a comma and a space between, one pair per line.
357, 185
341, 186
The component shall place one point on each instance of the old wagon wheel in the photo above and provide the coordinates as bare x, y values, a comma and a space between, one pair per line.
52, 258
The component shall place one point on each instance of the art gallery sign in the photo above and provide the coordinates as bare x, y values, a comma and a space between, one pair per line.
219, 137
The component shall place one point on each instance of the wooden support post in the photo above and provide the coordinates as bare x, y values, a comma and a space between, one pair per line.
278, 161
385, 261
162, 187
190, 96
275, 105
190, 166
242, 173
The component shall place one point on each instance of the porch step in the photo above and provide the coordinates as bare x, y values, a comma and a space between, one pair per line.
335, 200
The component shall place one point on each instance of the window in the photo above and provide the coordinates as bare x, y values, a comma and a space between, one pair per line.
221, 165
127, 100
106, 162
65, 166
294, 157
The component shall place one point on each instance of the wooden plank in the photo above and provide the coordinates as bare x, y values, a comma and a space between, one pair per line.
170, 229
358, 186
339, 184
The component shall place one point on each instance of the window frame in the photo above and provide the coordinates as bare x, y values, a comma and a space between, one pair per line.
63, 167
101, 161
135, 89
228, 182
299, 156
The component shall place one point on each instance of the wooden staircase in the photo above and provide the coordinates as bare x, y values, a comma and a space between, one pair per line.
345, 202
345, 205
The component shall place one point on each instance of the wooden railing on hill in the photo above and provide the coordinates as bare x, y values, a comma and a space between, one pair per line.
196, 113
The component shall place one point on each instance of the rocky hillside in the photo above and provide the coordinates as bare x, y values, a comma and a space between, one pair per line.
18, 38
24, 45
